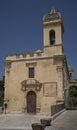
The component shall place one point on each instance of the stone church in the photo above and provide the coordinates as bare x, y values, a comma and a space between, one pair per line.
36, 81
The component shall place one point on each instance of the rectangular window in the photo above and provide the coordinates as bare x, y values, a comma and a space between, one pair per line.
31, 72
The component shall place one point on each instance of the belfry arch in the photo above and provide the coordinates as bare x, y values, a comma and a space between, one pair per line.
52, 37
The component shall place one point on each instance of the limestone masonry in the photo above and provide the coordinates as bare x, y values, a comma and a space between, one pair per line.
36, 81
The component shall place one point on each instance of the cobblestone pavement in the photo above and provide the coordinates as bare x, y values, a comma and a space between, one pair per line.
66, 121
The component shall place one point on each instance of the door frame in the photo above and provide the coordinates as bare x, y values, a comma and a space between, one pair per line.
33, 110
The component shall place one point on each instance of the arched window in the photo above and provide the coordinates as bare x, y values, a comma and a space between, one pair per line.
52, 37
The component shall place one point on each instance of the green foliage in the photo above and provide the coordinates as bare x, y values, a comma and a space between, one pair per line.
73, 91
1, 85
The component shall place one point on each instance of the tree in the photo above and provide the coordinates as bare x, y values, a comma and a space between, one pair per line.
73, 96
1, 92
73, 91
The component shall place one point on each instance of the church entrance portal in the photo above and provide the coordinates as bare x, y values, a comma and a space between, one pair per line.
31, 102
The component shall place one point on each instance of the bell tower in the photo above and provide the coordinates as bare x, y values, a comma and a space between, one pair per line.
52, 29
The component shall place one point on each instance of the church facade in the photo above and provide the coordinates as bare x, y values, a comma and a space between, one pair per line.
36, 81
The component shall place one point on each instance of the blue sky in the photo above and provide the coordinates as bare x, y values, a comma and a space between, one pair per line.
21, 28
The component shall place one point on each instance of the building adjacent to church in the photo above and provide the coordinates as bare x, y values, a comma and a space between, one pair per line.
72, 80
36, 81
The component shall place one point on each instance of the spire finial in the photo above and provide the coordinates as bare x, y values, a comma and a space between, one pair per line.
53, 10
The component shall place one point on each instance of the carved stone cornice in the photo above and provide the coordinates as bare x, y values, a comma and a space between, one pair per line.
31, 64
59, 57
60, 100
31, 83
53, 15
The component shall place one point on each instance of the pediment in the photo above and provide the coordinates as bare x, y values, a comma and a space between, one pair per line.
31, 83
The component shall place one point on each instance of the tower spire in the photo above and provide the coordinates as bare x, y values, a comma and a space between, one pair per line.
53, 10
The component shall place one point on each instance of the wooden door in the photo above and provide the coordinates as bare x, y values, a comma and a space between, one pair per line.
31, 102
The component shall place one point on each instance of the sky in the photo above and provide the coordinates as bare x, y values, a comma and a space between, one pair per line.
21, 27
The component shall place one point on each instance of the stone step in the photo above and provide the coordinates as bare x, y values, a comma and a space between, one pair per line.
27, 128
15, 128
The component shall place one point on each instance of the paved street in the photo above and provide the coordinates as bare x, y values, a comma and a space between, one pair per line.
66, 121
18, 122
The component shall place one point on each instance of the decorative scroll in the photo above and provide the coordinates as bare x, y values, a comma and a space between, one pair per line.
31, 83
